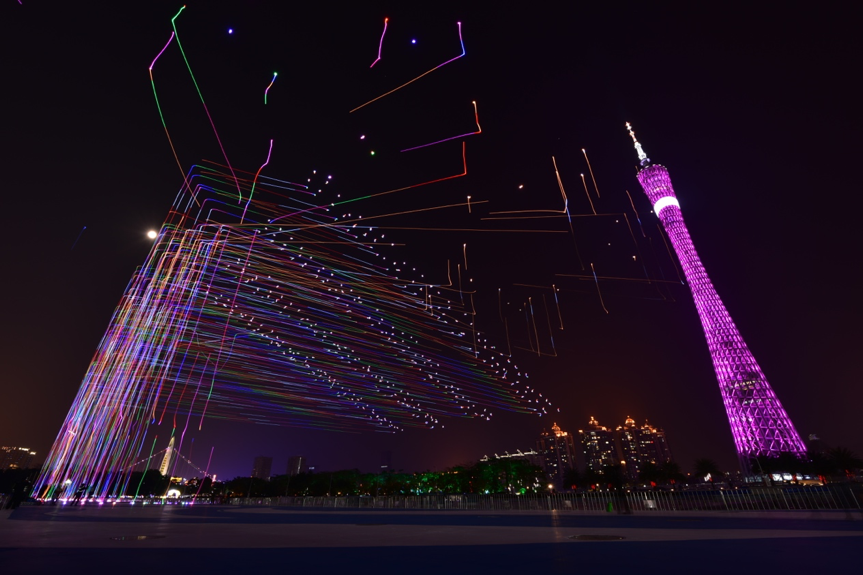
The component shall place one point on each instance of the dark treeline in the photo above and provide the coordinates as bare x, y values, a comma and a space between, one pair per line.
485, 477
10, 479
511, 476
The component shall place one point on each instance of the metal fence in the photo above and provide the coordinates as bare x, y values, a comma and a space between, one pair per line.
743, 499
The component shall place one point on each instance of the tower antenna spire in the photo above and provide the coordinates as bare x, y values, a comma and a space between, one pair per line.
642, 157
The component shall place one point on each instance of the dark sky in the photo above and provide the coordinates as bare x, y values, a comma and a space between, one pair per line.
754, 111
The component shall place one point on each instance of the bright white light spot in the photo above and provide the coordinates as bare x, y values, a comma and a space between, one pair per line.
664, 203
152, 234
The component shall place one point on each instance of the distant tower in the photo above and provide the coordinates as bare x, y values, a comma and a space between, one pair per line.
297, 464
165, 467
759, 424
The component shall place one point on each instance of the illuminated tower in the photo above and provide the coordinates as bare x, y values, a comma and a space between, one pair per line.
759, 424
165, 467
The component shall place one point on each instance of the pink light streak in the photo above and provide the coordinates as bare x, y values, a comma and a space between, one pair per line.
381, 44
168, 43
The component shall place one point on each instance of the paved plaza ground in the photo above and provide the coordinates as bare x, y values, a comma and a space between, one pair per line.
129, 540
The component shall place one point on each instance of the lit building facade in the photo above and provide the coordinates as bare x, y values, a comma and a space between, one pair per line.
262, 467
16, 458
638, 446
558, 452
598, 445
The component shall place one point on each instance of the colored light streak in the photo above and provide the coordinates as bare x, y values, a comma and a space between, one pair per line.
255, 181
461, 41
201, 96
297, 319
275, 74
590, 169
159, 108
478, 131
381, 43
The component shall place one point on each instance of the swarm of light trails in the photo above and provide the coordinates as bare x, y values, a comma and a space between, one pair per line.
275, 313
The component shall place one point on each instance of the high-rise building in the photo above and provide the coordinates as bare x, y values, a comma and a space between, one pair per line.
759, 424
598, 445
16, 457
558, 451
262, 467
638, 446
297, 464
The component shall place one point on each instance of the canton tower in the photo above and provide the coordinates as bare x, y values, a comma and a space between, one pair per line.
759, 424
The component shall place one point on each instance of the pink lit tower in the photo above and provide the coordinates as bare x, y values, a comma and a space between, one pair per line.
759, 424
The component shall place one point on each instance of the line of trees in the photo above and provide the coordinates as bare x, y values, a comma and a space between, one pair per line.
499, 476
510, 476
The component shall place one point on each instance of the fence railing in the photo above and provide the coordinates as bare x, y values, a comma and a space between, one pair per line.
743, 499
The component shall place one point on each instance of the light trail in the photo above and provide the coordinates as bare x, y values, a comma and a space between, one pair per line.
588, 194
590, 169
461, 41
381, 43
201, 96
597, 287
267, 90
478, 131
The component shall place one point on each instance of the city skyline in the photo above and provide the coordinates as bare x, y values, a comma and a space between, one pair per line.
733, 125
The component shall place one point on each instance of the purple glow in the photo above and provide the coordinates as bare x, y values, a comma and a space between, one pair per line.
168, 43
759, 424
413, 41
381, 43
230, 30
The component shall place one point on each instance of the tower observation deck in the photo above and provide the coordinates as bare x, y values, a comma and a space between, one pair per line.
759, 424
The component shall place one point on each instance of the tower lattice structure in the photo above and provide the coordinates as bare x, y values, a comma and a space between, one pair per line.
759, 424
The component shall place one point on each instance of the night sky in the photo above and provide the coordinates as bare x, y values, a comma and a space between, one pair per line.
754, 112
